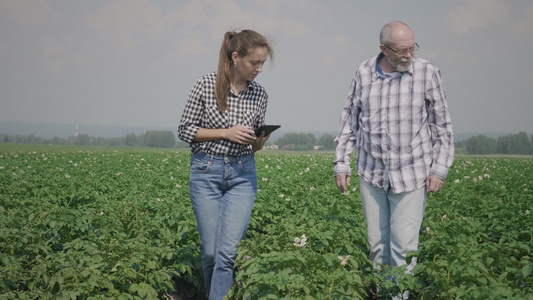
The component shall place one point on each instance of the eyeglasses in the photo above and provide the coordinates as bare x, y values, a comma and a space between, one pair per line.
403, 52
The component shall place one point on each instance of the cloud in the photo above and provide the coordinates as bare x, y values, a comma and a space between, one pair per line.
32, 12
190, 15
128, 21
524, 23
295, 28
478, 14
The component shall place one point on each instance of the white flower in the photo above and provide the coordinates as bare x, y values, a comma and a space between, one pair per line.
266, 166
346, 193
281, 195
178, 186
312, 188
354, 189
264, 179
457, 181
288, 199
300, 242
101, 213
527, 212
344, 260
427, 230
444, 217
306, 169
486, 175
67, 176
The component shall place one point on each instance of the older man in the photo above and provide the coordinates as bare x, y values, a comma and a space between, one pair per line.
397, 117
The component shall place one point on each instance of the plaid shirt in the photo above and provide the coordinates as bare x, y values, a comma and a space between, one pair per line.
399, 124
202, 111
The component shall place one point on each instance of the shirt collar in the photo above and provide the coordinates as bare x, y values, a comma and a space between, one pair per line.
378, 72
252, 85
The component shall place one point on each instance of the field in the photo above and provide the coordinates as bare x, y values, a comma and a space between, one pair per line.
100, 223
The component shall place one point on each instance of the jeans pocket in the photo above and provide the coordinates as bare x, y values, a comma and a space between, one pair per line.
247, 163
200, 164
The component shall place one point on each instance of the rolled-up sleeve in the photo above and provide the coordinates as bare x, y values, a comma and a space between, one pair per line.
192, 114
440, 124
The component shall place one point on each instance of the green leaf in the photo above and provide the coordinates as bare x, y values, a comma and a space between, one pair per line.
527, 269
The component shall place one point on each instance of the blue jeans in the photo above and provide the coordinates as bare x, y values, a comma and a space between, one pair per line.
222, 190
393, 223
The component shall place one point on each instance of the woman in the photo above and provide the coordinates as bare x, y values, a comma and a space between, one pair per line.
221, 114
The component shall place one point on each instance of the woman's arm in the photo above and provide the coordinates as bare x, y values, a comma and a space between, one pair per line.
238, 134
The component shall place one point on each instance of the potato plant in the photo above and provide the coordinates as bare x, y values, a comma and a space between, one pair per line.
100, 223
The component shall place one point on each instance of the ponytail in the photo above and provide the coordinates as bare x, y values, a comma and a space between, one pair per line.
241, 43
223, 73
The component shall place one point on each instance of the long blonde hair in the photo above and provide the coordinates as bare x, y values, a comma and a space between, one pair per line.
240, 42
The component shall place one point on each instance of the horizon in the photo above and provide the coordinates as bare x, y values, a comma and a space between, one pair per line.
65, 130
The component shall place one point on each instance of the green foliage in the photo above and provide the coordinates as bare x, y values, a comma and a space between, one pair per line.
119, 224
296, 141
96, 224
152, 138
159, 139
509, 144
327, 142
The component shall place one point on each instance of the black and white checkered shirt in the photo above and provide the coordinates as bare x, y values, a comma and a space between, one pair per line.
202, 111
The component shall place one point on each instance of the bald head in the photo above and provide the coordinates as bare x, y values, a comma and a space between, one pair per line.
395, 32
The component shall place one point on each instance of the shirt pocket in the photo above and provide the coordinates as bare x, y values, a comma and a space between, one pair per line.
213, 119
248, 118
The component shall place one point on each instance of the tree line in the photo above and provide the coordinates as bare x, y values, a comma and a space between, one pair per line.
518, 143
481, 144
152, 138
305, 142
167, 139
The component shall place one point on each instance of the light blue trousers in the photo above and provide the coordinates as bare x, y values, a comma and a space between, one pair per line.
393, 223
222, 190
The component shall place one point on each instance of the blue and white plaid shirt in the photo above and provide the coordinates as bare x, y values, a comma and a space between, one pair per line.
399, 124
202, 111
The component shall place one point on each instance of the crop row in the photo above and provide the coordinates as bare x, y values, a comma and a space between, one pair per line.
102, 224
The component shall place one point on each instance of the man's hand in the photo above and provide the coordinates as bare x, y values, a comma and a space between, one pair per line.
343, 182
434, 184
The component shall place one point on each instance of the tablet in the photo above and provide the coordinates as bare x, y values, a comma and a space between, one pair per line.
267, 129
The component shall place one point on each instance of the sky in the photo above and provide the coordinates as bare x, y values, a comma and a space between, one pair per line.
134, 62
